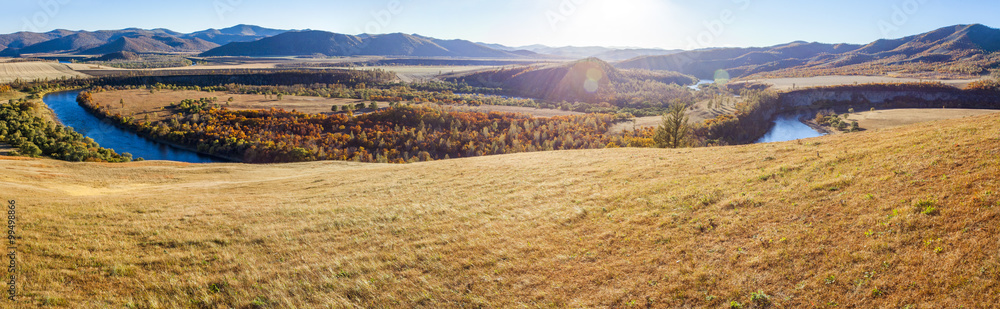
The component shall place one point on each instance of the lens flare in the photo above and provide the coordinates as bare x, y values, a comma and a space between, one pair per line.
592, 83
721, 77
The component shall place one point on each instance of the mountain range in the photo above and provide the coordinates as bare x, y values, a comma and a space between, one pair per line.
314, 42
248, 40
961, 50
127, 40
600, 52
954, 51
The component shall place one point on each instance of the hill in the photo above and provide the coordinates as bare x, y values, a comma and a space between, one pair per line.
120, 56
238, 33
299, 43
150, 44
589, 80
574, 52
897, 217
131, 40
956, 51
22, 39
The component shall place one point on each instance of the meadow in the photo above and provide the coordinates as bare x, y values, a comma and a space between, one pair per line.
29, 71
894, 218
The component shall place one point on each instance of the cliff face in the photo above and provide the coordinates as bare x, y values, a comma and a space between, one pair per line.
821, 98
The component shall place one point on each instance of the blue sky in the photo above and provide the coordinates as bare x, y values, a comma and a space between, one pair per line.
684, 24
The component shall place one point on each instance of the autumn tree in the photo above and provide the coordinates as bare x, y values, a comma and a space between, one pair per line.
673, 131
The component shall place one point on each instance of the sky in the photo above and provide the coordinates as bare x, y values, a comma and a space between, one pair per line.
669, 24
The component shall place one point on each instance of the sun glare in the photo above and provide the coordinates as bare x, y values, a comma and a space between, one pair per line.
616, 21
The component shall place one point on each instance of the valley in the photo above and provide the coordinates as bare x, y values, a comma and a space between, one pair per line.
256, 167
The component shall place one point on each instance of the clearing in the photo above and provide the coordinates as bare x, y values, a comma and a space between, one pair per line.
534, 112
424, 73
141, 103
895, 217
29, 71
806, 82
699, 112
881, 119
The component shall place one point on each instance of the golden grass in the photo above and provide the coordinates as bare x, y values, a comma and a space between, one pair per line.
29, 71
141, 102
837, 80
881, 119
832, 221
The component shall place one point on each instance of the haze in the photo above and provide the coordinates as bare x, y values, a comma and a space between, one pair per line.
633, 23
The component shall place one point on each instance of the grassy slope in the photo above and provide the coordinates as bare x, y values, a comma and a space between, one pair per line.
810, 224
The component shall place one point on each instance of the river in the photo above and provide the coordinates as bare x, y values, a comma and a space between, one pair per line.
107, 135
787, 127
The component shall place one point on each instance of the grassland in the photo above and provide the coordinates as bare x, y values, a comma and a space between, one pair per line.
822, 81
29, 71
141, 103
881, 119
902, 216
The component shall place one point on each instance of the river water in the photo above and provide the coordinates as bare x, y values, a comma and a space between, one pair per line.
787, 127
107, 135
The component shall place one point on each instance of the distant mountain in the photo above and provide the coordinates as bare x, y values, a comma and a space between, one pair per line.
312, 42
131, 39
960, 50
22, 39
624, 54
151, 44
573, 52
123, 55
238, 33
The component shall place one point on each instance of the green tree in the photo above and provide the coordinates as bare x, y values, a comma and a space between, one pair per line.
373, 105
674, 130
30, 149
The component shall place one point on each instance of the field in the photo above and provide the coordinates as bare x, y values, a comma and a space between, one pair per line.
899, 117
536, 112
699, 112
29, 71
406, 73
141, 103
805, 82
418, 73
902, 216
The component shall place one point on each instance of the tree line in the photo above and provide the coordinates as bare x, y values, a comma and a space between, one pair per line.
393, 135
34, 136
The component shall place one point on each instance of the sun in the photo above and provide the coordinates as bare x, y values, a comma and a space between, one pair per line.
614, 21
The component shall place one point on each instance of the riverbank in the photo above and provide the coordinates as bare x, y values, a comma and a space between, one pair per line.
111, 135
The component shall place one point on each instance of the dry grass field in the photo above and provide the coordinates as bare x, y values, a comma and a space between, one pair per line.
881, 119
819, 81
699, 112
141, 103
11, 71
418, 73
535, 112
906, 216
